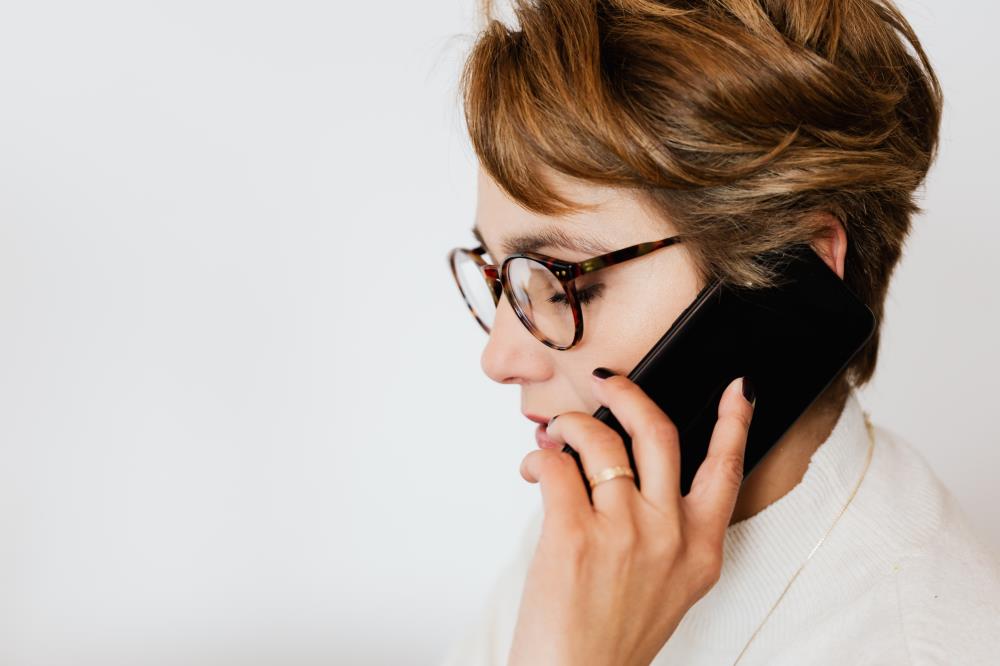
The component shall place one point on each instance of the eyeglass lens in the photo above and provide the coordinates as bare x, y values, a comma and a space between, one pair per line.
536, 292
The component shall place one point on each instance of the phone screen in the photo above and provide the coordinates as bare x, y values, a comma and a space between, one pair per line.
792, 339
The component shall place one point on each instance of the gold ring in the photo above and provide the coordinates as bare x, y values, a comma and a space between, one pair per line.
609, 473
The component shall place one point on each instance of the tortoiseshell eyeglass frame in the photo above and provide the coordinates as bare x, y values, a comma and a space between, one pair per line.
566, 272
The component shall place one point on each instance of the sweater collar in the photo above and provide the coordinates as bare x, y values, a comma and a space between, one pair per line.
763, 552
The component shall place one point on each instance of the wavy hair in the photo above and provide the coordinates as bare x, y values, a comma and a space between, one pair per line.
739, 120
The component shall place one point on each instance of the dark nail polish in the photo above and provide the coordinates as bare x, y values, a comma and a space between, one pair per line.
749, 392
603, 373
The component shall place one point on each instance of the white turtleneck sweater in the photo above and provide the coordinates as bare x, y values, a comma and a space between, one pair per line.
901, 579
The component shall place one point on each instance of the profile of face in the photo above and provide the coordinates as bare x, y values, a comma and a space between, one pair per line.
631, 304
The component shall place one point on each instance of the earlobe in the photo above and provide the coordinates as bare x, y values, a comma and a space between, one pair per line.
832, 247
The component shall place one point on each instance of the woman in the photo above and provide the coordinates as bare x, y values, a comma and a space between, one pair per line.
743, 126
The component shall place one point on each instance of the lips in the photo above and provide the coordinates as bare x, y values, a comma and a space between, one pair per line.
541, 437
543, 440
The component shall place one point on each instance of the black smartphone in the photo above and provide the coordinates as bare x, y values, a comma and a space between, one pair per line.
792, 340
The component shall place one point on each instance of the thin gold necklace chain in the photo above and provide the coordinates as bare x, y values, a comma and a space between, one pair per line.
868, 459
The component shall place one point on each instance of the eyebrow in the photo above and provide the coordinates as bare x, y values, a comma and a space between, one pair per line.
552, 237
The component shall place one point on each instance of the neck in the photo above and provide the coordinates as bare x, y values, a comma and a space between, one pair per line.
785, 464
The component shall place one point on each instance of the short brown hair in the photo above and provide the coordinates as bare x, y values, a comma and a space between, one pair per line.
738, 119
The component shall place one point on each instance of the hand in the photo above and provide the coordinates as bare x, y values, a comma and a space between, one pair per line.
610, 581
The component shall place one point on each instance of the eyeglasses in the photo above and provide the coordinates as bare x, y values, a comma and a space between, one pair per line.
541, 289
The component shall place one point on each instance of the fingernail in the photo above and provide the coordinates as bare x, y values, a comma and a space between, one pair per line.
749, 391
549, 424
603, 373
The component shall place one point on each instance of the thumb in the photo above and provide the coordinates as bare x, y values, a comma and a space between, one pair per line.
717, 483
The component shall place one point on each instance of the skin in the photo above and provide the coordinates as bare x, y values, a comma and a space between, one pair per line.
610, 582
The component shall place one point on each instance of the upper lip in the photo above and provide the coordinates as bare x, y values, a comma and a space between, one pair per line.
536, 418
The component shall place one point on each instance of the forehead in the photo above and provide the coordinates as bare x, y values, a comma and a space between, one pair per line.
619, 217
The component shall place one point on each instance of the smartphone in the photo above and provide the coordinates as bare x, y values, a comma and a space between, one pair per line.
792, 339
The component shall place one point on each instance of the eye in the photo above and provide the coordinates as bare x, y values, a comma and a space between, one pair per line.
583, 296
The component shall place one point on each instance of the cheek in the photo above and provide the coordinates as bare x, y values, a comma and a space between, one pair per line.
620, 331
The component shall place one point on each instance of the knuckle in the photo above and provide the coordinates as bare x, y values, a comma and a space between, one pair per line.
663, 429
607, 439
711, 573
598, 440
669, 539
730, 468
571, 540
624, 537
707, 565
736, 419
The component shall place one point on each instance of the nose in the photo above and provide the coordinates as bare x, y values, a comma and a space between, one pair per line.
512, 354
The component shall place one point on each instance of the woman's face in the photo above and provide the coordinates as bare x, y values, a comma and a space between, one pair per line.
638, 300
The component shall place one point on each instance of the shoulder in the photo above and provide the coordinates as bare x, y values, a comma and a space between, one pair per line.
946, 577
914, 511
908, 581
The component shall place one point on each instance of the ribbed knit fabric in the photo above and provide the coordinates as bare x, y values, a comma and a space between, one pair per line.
901, 579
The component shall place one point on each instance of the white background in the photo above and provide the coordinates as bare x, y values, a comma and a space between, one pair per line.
242, 418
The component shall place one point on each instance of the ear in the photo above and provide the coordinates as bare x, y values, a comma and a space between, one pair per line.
832, 246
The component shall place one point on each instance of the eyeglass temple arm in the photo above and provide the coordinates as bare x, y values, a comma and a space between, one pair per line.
624, 254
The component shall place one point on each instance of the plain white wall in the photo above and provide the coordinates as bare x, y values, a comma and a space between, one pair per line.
242, 419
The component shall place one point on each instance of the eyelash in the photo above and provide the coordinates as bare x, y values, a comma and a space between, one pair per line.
583, 296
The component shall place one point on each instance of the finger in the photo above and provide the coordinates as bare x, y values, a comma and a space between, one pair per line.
655, 444
564, 497
717, 482
599, 447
